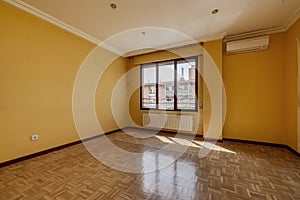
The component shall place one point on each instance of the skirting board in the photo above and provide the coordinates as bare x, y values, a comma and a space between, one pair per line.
264, 144
10, 162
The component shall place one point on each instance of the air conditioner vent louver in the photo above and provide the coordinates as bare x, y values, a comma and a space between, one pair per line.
247, 45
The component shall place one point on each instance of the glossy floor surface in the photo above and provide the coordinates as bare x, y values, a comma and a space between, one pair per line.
223, 171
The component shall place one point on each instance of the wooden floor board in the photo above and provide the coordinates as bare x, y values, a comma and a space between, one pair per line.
230, 171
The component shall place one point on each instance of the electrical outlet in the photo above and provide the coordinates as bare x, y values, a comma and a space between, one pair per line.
34, 137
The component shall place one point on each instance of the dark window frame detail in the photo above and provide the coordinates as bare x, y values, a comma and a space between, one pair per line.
145, 65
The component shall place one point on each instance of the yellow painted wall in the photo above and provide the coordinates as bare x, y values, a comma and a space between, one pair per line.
133, 78
38, 63
104, 94
291, 63
215, 51
255, 88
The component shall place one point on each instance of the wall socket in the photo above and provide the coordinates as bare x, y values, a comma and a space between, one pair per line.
34, 137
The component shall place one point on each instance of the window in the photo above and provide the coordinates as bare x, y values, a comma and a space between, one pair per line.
166, 81
170, 85
149, 86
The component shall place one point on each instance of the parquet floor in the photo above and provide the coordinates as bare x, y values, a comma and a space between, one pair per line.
229, 171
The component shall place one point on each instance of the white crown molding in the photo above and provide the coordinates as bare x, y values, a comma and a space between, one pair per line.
160, 48
36, 12
218, 36
292, 19
256, 33
278, 29
113, 49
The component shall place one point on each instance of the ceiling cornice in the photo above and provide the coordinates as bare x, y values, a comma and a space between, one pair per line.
212, 37
277, 29
36, 12
255, 33
292, 19
218, 36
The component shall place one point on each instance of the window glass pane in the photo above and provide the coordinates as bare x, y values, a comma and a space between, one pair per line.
186, 82
166, 85
149, 86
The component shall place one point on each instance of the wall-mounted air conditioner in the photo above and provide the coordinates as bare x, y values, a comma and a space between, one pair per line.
247, 45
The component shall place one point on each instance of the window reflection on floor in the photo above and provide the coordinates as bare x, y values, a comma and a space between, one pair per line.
171, 180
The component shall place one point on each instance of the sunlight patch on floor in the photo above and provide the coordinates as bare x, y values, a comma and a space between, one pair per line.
214, 147
193, 143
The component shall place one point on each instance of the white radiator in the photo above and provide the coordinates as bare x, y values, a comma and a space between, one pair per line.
173, 122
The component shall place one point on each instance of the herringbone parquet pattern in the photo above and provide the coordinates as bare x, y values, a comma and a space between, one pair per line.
230, 171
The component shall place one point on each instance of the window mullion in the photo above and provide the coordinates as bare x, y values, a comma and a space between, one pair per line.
197, 82
141, 86
157, 96
175, 85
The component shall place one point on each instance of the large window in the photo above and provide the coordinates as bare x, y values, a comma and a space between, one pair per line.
170, 85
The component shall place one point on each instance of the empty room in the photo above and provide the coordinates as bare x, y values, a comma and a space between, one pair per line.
137, 99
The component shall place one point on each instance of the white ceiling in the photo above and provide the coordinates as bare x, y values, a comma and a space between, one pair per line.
165, 22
